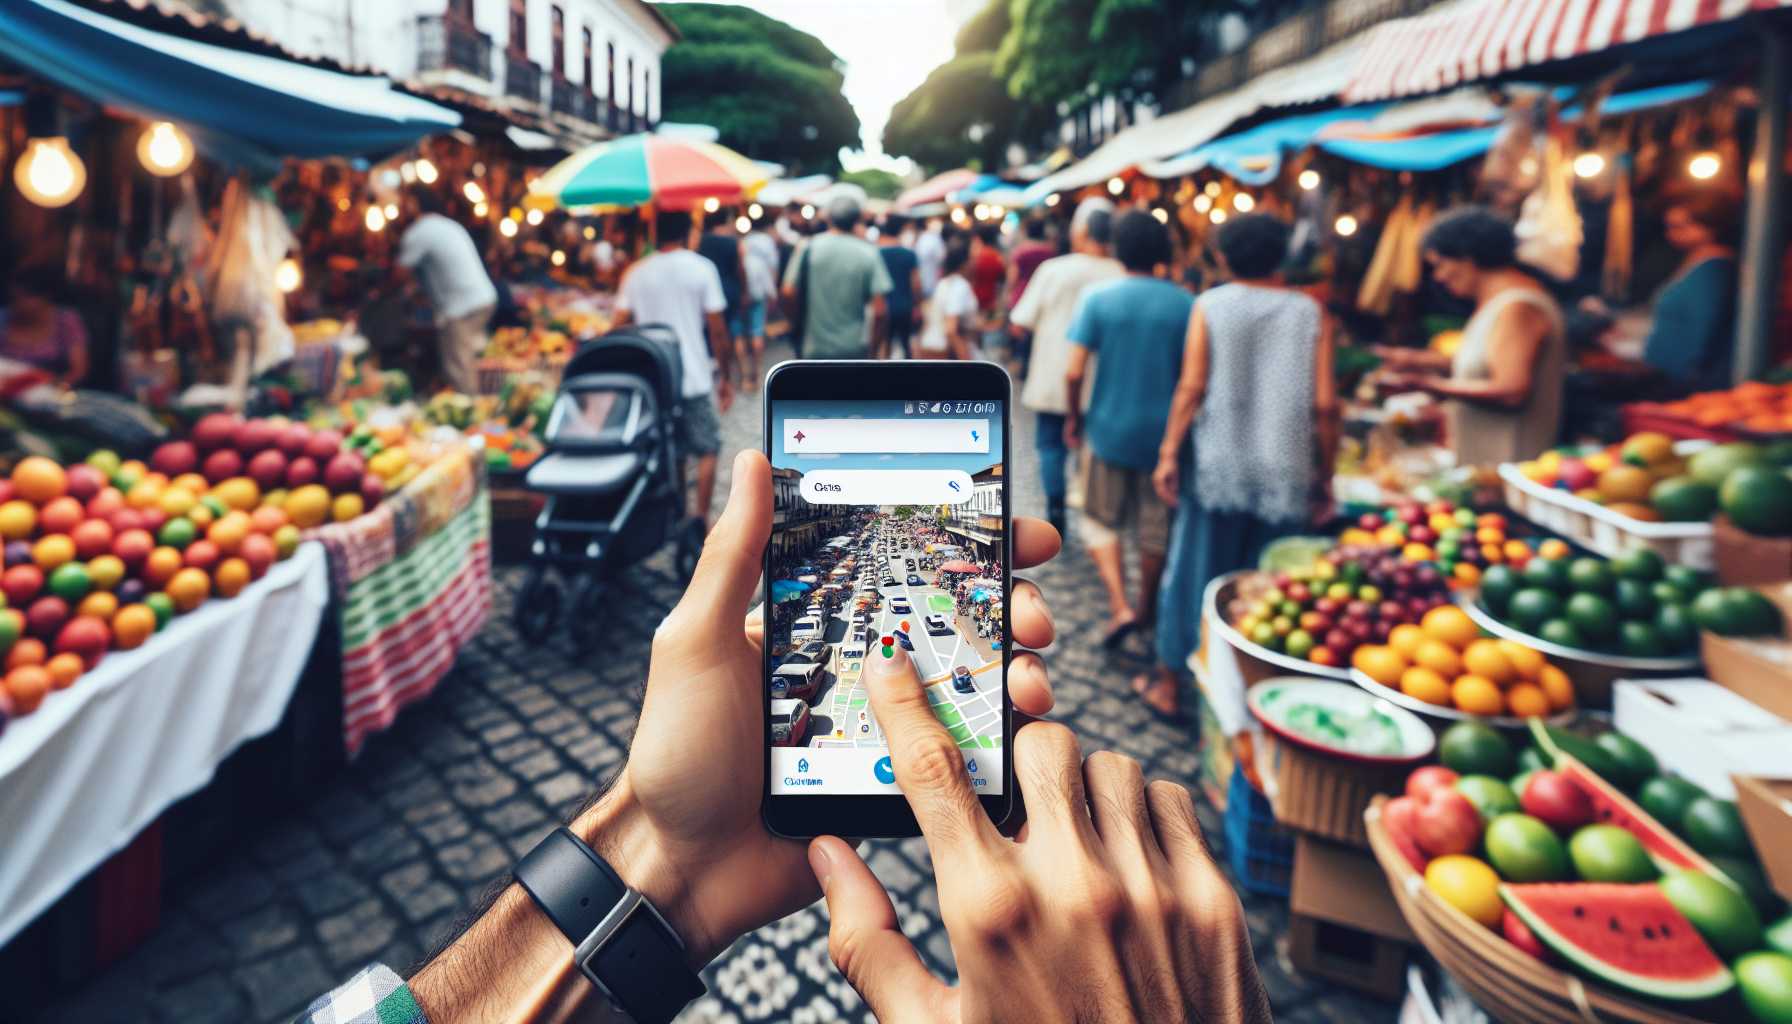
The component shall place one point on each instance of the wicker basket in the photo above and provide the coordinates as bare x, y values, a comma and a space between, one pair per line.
1509, 984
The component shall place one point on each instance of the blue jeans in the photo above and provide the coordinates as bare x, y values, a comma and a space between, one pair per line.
1048, 438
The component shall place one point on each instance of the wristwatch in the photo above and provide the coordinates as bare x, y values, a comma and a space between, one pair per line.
620, 941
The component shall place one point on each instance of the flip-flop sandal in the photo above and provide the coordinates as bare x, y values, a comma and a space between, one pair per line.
1141, 685
1114, 637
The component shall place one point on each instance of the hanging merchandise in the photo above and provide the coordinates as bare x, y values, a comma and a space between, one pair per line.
1376, 294
1511, 169
1549, 228
1409, 258
246, 304
1620, 237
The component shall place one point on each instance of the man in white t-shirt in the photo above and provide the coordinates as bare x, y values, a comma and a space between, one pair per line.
1047, 308
930, 254
682, 290
442, 257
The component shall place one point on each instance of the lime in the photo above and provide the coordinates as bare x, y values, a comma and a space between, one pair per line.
1676, 629
1713, 465
1758, 499
1779, 935
1533, 606
1473, 748
1765, 980
70, 582
1593, 616
162, 605
1642, 565
178, 532
1634, 599
1666, 798
1498, 584
1562, 632
1735, 611
1722, 915
1589, 575
1689, 580
1548, 573
1523, 849
1667, 593
1682, 499
1490, 796
1632, 762
1715, 826
1640, 640
1530, 759
1607, 853
1750, 881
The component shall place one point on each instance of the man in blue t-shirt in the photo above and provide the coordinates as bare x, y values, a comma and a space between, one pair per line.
905, 286
1136, 326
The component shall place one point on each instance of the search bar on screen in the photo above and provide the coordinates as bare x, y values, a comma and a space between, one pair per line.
886, 436
886, 486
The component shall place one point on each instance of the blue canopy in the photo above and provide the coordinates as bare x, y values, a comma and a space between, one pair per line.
240, 107
788, 590
1254, 156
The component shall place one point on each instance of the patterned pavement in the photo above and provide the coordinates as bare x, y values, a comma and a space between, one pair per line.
387, 855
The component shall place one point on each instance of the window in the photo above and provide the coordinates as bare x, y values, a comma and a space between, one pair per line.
585, 37
519, 26
557, 20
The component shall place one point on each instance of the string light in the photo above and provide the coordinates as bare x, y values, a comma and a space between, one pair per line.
1116, 186
164, 150
535, 217
391, 211
342, 204
743, 224
1162, 215
1203, 203
288, 276
980, 211
426, 171
479, 169
473, 192
50, 174
1589, 165
1244, 202
808, 211
507, 228
1704, 166
1052, 200
516, 214
557, 258
958, 216
1217, 215
590, 232
755, 211
1345, 225
711, 205
375, 219
407, 172
481, 209
1309, 180
1213, 189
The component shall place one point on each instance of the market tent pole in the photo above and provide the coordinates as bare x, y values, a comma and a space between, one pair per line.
1764, 234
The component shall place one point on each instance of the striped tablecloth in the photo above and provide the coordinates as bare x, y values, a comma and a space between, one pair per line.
413, 581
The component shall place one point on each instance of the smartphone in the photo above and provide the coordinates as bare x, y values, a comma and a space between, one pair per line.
890, 520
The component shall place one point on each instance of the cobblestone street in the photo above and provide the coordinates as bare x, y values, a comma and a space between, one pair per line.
387, 855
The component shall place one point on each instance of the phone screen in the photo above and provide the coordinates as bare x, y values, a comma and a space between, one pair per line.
888, 528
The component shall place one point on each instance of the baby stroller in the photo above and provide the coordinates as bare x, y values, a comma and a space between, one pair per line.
612, 478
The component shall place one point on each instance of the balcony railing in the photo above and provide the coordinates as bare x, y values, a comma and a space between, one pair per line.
522, 78
445, 43
573, 100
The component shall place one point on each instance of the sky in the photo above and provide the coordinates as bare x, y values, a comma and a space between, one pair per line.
888, 47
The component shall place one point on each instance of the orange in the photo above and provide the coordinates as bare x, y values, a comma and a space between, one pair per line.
1477, 696
132, 625
228, 532
1485, 658
1489, 535
346, 507
1493, 554
100, 604
1426, 685
29, 651
1527, 700
231, 576
1439, 657
52, 551
1556, 686
64, 669
268, 518
1406, 639
1554, 548
145, 494
28, 685
1416, 553
1466, 573
38, 479
1526, 661
161, 565
177, 501
192, 483
238, 492
189, 588
1380, 663
1451, 625
308, 506
201, 515
17, 519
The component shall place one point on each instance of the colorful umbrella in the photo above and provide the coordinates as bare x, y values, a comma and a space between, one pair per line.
671, 173
936, 188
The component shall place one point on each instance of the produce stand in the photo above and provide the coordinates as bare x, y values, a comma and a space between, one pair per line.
1598, 528
1593, 672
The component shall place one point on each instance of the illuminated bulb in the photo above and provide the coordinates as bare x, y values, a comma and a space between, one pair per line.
1704, 166
1243, 202
558, 258
1163, 217
981, 211
1203, 203
407, 171
1052, 200
479, 169
1589, 165
958, 216
590, 232
711, 205
426, 172
1345, 225
507, 228
1116, 186
741, 224
481, 209
288, 276
535, 217
164, 150
473, 192
376, 219
1218, 216
755, 211
49, 174
998, 212
1527, 166
1213, 189
1309, 180
342, 204
391, 211
808, 211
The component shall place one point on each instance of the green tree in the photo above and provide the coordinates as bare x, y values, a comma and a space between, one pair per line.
963, 113
772, 91
877, 182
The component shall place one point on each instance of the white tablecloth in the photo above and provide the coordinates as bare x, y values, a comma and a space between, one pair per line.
96, 763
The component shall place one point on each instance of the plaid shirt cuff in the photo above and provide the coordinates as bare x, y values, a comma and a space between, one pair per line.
374, 996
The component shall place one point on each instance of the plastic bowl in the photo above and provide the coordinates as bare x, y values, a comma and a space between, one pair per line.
1265, 699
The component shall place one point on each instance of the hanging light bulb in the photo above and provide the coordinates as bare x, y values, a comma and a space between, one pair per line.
342, 204
50, 174
479, 168
558, 258
288, 276
426, 171
711, 205
1203, 203
1309, 180
534, 217
1244, 202
481, 210
376, 219
980, 211
1212, 188
1217, 215
1589, 165
407, 172
755, 211
1345, 225
743, 224
590, 232
1116, 186
1162, 215
808, 211
958, 216
507, 228
1052, 200
164, 150
391, 211
1704, 166
473, 192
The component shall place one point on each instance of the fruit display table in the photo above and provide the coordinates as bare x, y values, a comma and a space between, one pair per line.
413, 583
91, 768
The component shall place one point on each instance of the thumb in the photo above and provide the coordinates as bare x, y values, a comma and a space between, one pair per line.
727, 576
865, 943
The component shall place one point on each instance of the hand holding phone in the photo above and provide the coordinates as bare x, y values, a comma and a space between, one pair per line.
1111, 908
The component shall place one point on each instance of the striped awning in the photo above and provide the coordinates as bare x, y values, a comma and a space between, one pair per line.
1477, 40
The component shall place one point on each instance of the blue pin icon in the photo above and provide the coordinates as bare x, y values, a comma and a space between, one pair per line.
802, 766
971, 766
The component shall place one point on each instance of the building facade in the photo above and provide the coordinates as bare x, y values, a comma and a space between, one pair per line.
591, 64
977, 523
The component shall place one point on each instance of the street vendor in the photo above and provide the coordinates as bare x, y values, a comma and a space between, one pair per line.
444, 259
36, 331
1503, 387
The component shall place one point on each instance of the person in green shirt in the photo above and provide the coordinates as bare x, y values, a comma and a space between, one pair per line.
835, 278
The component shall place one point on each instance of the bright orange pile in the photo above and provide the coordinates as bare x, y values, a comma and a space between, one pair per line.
1445, 660
1766, 408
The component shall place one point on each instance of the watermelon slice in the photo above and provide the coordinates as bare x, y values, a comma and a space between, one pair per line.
1611, 806
1627, 935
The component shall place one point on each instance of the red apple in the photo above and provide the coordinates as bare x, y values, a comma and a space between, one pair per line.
323, 445
1555, 800
175, 458
84, 481
105, 502
259, 551
301, 471
268, 468
92, 537
133, 546
87, 636
151, 519
21, 583
1433, 776
1399, 817
1446, 823
125, 519
215, 430
343, 473
256, 435
293, 440
373, 489
1519, 934
221, 465
45, 616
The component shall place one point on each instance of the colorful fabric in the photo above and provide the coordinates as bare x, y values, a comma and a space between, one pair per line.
373, 996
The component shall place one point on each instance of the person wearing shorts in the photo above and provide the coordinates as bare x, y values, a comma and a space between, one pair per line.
699, 427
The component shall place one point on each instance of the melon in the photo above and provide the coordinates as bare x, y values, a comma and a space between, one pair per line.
1612, 807
1627, 935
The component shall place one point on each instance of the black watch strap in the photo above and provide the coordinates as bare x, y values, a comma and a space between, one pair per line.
620, 941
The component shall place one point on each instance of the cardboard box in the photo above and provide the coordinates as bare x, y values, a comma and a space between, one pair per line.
1766, 806
1343, 924
1744, 559
1759, 670
1703, 731
1325, 796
